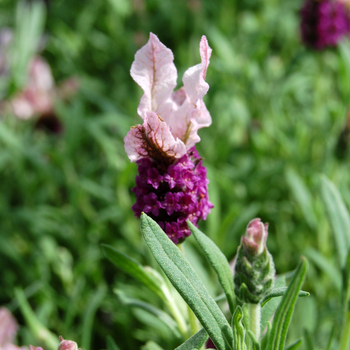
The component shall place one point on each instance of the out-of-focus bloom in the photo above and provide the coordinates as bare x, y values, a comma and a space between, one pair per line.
254, 268
38, 94
64, 345
8, 330
324, 23
37, 97
172, 185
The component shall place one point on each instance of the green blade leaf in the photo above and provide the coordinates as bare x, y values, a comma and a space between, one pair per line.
151, 345
36, 327
160, 314
195, 342
338, 216
132, 268
302, 195
278, 292
238, 330
285, 309
255, 343
187, 283
270, 307
294, 345
218, 261
111, 344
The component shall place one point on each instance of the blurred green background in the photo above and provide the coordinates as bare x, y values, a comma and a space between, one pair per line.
278, 112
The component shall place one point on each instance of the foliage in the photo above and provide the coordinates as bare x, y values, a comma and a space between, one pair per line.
277, 149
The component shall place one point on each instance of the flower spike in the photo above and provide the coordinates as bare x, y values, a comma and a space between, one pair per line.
172, 186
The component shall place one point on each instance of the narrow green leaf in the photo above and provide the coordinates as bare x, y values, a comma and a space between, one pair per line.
151, 345
36, 327
89, 315
308, 340
285, 309
295, 345
132, 268
218, 261
338, 216
238, 330
270, 307
265, 339
255, 343
330, 339
328, 267
160, 314
278, 292
111, 344
302, 195
345, 334
187, 283
196, 341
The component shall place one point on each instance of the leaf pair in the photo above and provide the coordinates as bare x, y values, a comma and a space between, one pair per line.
187, 283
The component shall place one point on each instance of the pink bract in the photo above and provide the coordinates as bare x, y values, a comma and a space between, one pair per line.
172, 119
256, 236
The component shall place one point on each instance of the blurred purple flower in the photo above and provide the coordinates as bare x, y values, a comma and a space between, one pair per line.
324, 23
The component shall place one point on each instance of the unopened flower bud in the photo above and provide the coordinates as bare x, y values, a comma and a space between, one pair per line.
67, 344
254, 242
254, 268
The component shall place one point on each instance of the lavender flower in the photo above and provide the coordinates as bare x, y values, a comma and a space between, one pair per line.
171, 185
323, 23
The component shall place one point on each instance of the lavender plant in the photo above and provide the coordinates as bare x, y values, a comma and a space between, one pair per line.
172, 187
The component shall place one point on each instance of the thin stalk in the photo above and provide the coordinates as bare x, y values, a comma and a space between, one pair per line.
176, 313
254, 311
345, 336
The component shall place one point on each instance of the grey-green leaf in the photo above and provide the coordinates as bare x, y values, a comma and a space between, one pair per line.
132, 268
278, 292
196, 341
187, 283
218, 261
285, 309
338, 216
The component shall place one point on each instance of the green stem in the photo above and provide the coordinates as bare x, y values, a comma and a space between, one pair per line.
254, 311
176, 314
345, 336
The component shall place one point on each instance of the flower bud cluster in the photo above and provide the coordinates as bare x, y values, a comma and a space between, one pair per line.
324, 23
254, 267
173, 195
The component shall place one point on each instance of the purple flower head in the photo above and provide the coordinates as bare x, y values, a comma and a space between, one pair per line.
171, 186
324, 23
